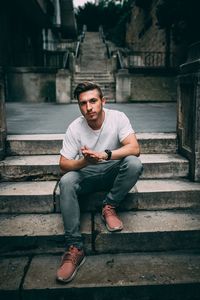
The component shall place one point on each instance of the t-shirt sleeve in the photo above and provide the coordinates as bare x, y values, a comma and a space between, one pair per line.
125, 127
69, 149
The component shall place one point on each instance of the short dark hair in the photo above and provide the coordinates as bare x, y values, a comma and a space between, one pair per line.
87, 86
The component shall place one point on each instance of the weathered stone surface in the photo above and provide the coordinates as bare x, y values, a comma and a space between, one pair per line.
31, 84
40, 144
30, 167
164, 166
151, 87
27, 197
12, 272
35, 230
131, 276
63, 86
46, 167
188, 113
157, 143
166, 194
150, 231
34, 144
123, 86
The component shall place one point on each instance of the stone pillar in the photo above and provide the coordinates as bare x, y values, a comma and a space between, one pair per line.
2, 117
72, 66
188, 119
123, 86
63, 86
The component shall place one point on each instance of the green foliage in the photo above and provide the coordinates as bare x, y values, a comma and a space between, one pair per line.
111, 15
182, 16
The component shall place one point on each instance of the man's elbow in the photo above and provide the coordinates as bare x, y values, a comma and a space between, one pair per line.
62, 165
137, 151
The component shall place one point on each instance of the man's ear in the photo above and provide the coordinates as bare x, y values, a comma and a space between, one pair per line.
103, 100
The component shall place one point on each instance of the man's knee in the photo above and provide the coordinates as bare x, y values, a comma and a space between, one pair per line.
69, 179
134, 164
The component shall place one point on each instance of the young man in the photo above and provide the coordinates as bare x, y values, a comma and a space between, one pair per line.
99, 152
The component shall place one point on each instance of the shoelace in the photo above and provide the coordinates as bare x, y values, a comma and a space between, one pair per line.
109, 211
71, 255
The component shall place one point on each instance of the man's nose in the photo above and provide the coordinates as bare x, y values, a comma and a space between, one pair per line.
89, 107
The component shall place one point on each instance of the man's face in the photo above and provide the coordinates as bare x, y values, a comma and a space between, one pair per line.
91, 105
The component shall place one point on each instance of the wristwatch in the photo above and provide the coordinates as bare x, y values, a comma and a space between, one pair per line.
109, 153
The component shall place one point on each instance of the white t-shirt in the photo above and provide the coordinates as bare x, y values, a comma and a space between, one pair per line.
115, 128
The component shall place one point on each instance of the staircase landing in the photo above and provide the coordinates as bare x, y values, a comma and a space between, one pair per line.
45, 118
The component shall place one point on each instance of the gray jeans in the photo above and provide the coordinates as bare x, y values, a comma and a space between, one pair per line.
115, 176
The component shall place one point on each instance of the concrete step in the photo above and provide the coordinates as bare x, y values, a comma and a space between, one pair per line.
103, 82
39, 144
107, 87
34, 233
97, 73
45, 167
27, 197
94, 75
158, 276
35, 167
143, 231
150, 231
41, 197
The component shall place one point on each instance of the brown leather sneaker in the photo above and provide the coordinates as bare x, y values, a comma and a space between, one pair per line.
70, 263
110, 218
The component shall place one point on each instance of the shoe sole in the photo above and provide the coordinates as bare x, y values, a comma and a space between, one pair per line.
111, 229
74, 274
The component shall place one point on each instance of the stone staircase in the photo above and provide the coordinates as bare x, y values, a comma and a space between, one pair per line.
94, 65
156, 256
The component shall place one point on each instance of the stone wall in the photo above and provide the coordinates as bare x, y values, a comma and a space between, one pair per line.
188, 112
31, 84
143, 33
147, 87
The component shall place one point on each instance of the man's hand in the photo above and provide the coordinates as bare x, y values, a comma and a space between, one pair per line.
93, 157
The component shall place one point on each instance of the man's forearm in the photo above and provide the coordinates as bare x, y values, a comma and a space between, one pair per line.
67, 165
124, 151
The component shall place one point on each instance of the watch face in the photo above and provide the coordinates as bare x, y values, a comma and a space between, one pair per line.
109, 152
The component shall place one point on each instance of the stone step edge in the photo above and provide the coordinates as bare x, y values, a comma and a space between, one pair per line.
59, 137
102, 272
43, 196
52, 143
43, 225
46, 167
53, 160
38, 233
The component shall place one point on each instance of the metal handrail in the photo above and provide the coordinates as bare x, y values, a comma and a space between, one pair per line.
77, 50
66, 60
80, 40
102, 36
119, 60
56, 58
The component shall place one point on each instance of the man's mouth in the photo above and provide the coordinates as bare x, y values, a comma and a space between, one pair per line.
91, 114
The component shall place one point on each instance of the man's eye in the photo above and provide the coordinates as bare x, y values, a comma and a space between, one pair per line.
93, 100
